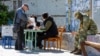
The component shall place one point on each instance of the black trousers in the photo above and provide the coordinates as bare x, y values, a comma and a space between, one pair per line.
42, 36
20, 41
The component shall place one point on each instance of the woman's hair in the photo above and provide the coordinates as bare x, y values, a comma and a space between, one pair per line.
37, 23
32, 16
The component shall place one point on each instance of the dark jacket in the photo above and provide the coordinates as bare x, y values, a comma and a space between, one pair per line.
20, 19
52, 31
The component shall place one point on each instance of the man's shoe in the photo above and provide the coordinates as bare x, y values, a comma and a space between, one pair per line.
40, 47
74, 50
19, 49
79, 52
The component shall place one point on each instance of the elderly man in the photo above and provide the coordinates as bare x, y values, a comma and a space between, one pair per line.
20, 22
87, 27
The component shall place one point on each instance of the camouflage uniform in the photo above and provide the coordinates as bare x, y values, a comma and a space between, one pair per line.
87, 27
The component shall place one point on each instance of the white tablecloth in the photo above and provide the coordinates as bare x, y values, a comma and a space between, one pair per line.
91, 51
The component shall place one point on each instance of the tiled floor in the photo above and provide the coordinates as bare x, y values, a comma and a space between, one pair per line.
12, 52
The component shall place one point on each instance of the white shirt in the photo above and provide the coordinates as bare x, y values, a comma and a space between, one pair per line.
33, 21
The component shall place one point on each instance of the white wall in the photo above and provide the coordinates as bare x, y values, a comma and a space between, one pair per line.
53, 7
96, 14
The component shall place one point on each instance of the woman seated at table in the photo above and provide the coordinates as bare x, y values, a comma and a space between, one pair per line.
31, 24
50, 29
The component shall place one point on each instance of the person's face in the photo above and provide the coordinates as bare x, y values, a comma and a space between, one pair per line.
26, 8
43, 19
88, 13
76, 16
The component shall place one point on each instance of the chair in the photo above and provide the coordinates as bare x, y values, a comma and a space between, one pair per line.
7, 40
57, 39
7, 35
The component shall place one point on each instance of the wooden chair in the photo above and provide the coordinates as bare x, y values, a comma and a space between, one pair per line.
57, 39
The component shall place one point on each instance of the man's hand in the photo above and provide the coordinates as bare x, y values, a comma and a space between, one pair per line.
74, 33
29, 21
37, 28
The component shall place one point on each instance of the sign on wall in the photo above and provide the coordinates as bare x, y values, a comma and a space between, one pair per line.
7, 31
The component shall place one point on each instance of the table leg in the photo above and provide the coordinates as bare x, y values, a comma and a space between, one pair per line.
35, 39
25, 40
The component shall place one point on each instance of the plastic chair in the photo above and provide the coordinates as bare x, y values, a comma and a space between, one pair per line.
7, 40
57, 39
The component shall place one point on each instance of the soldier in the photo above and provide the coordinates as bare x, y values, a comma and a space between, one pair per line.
87, 27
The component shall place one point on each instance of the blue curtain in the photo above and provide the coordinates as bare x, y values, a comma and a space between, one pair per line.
75, 24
